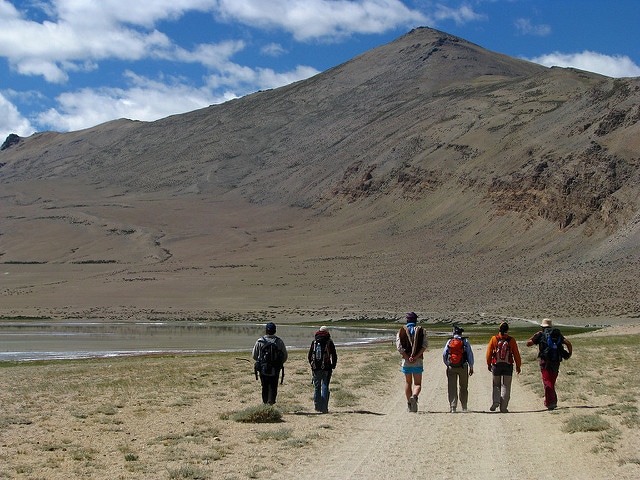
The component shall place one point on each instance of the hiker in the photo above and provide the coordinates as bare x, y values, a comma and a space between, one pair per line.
270, 353
322, 358
502, 353
411, 342
458, 357
551, 352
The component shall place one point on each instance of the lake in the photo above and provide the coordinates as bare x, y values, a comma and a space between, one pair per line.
25, 341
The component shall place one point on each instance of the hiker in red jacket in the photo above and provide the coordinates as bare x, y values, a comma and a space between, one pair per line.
411, 342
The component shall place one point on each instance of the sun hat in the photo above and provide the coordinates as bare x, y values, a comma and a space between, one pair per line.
411, 317
270, 328
324, 328
457, 330
546, 323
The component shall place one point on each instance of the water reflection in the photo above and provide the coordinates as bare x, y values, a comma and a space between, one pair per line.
38, 341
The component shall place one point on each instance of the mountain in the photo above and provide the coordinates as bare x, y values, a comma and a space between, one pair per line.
428, 174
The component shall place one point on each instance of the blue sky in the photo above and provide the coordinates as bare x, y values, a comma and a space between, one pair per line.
72, 64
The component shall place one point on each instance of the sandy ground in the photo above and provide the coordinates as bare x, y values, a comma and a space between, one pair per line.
172, 417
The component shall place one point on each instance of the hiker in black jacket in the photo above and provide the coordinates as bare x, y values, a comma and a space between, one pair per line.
269, 366
322, 358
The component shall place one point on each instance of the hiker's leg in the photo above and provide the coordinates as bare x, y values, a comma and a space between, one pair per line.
327, 392
417, 384
408, 382
452, 386
273, 389
265, 388
317, 396
549, 378
495, 392
505, 393
464, 386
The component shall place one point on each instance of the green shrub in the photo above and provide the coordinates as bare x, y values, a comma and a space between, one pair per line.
586, 423
261, 414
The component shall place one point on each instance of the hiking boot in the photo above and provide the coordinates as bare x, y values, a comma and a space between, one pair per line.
413, 403
494, 407
553, 406
464, 409
453, 410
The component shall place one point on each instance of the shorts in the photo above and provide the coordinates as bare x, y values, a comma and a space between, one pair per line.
412, 370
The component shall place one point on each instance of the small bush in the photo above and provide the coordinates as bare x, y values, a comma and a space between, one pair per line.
586, 423
261, 414
188, 471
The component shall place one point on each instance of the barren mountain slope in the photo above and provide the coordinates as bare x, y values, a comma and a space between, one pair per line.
427, 174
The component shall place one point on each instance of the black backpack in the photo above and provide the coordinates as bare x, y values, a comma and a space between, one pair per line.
551, 347
269, 361
321, 357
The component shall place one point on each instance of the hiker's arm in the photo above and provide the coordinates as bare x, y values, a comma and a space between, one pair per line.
283, 351
516, 354
470, 359
490, 348
569, 347
445, 352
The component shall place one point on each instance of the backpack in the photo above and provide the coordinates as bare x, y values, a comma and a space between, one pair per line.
551, 349
503, 351
457, 354
321, 356
269, 361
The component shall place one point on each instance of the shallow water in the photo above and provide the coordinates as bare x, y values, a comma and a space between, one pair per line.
22, 341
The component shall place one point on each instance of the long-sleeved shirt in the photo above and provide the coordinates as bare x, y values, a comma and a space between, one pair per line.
513, 347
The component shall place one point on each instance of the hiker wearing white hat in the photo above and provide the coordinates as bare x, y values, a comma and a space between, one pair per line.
551, 351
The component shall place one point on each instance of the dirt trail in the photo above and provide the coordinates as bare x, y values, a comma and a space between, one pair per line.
526, 443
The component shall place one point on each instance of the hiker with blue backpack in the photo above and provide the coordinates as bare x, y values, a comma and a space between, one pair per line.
322, 358
502, 355
411, 343
458, 357
270, 353
551, 351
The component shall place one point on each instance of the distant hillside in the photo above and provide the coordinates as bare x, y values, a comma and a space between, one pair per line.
427, 174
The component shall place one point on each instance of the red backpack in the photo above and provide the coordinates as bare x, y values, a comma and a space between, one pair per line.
457, 355
503, 351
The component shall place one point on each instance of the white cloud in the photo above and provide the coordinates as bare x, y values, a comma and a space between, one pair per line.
145, 100
273, 50
313, 19
616, 66
525, 27
149, 100
460, 16
11, 121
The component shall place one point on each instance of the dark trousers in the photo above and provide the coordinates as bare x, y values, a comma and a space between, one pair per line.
269, 388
